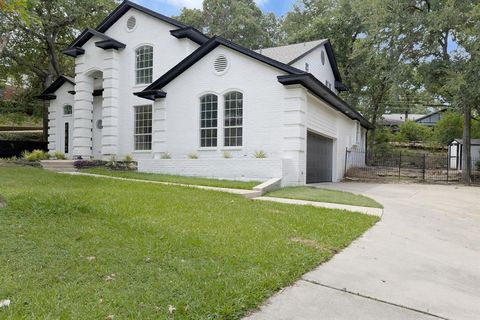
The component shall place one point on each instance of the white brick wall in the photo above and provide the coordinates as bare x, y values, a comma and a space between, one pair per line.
238, 169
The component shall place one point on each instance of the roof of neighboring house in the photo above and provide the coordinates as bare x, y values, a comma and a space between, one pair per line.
49, 93
473, 142
290, 54
183, 32
431, 114
398, 118
154, 91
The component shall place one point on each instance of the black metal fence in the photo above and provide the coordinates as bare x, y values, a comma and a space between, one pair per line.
408, 166
10, 149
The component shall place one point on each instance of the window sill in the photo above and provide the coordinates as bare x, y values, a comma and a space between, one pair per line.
239, 148
140, 86
142, 151
208, 149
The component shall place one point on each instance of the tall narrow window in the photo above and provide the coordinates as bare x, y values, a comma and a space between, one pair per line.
66, 137
208, 120
144, 65
143, 127
233, 119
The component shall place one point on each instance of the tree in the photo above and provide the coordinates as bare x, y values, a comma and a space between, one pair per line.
32, 54
240, 21
410, 131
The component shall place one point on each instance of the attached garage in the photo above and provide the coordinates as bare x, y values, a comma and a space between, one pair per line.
319, 158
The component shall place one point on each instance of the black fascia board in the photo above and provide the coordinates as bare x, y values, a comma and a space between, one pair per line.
151, 94
110, 44
321, 91
207, 48
190, 33
49, 93
73, 52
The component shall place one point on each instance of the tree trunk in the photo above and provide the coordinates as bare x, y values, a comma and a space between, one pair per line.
371, 140
466, 150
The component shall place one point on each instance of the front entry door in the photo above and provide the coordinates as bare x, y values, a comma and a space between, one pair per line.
319, 158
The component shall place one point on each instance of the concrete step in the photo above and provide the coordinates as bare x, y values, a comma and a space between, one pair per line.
58, 165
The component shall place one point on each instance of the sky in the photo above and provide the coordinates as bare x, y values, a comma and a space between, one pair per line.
173, 7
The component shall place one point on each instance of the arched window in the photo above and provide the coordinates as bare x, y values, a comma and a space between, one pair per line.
233, 125
144, 65
67, 110
208, 120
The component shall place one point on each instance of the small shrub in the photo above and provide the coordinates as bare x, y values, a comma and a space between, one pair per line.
192, 156
165, 155
260, 154
128, 158
227, 155
35, 155
112, 162
477, 165
59, 155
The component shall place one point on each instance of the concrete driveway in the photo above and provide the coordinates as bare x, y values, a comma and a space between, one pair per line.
422, 261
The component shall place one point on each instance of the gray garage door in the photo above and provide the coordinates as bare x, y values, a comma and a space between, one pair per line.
319, 158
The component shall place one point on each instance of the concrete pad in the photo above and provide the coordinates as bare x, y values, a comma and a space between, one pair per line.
365, 210
424, 254
308, 301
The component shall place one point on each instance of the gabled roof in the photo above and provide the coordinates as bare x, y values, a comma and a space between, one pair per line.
106, 42
431, 114
49, 93
473, 142
208, 47
294, 76
116, 14
290, 54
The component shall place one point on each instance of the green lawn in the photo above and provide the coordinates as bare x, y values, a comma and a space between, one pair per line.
176, 179
325, 195
209, 254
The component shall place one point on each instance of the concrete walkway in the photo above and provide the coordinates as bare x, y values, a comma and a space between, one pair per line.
365, 210
422, 261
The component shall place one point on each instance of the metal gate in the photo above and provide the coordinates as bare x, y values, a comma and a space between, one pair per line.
319, 158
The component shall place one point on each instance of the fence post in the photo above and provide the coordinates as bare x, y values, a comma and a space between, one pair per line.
424, 165
448, 166
400, 165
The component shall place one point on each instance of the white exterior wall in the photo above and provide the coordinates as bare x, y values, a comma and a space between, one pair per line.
178, 115
56, 119
275, 117
238, 169
118, 72
327, 122
321, 72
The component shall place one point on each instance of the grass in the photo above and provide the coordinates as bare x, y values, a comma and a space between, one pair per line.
325, 195
233, 184
211, 255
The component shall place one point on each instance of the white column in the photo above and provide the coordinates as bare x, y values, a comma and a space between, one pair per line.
159, 137
111, 83
82, 112
52, 127
294, 135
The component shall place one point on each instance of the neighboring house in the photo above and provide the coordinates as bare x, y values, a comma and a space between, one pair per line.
455, 153
431, 119
394, 120
150, 86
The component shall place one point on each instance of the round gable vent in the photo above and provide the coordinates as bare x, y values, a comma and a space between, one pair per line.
221, 64
131, 23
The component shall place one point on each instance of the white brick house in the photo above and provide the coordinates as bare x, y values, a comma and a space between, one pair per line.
149, 86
